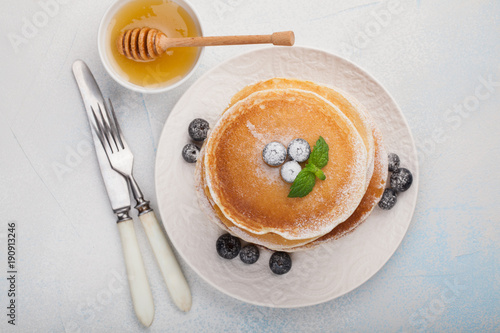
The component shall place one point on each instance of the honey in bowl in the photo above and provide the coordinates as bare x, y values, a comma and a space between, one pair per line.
171, 19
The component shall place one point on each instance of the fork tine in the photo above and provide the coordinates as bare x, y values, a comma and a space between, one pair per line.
103, 132
107, 129
116, 126
99, 130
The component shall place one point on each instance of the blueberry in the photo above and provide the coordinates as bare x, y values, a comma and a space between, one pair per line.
289, 171
274, 154
198, 129
280, 263
228, 246
249, 254
190, 153
299, 150
393, 162
401, 180
389, 199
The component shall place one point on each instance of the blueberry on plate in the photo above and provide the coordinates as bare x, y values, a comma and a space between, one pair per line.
198, 129
274, 154
228, 246
280, 263
190, 153
299, 150
389, 199
249, 254
393, 162
401, 180
289, 171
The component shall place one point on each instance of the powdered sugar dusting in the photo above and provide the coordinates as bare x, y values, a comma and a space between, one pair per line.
267, 174
255, 133
349, 192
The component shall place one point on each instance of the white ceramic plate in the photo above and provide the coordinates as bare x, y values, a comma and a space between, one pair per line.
318, 275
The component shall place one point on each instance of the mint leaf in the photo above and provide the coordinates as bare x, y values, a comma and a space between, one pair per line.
303, 184
319, 154
317, 171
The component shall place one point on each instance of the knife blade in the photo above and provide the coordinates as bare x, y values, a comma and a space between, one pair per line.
119, 198
115, 184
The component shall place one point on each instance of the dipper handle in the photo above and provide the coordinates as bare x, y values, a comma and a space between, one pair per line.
145, 44
285, 38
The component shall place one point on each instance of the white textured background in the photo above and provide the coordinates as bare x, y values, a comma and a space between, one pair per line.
435, 57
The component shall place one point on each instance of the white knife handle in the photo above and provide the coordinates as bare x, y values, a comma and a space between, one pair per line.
170, 269
136, 274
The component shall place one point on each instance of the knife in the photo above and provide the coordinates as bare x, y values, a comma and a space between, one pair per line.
119, 198
121, 159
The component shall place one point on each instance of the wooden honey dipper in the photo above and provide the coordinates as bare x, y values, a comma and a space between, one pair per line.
146, 44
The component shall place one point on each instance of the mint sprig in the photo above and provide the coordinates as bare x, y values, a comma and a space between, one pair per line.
306, 179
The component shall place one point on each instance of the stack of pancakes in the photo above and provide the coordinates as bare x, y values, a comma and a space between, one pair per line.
248, 198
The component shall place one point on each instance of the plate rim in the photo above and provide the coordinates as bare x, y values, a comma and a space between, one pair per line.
415, 172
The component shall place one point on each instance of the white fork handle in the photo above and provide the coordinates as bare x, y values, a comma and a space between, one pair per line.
136, 274
170, 269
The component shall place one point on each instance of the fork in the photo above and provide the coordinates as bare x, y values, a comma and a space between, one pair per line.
121, 160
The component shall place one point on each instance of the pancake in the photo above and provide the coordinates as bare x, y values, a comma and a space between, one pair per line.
252, 196
369, 201
351, 108
363, 122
